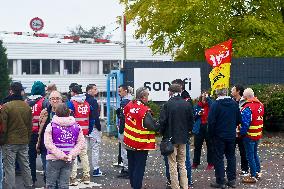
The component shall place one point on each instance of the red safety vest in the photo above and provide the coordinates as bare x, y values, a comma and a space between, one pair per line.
36, 109
135, 135
82, 114
256, 125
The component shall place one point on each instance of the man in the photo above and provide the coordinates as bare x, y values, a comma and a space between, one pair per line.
176, 121
94, 132
45, 118
185, 95
37, 103
237, 93
251, 131
16, 119
223, 118
124, 99
139, 136
81, 111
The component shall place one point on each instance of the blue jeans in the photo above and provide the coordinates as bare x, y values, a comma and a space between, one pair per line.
187, 164
252, 156
57, 174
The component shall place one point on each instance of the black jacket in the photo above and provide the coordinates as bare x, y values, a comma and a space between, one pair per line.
94, 117
224, 116
120, 114
176, 120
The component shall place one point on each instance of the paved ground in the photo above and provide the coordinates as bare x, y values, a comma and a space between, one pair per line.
271, 154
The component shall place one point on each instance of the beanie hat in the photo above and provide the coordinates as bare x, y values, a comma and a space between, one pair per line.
38, 88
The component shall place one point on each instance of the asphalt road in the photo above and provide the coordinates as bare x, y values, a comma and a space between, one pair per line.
271, 152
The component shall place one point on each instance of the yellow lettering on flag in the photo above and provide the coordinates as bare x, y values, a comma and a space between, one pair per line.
220, 77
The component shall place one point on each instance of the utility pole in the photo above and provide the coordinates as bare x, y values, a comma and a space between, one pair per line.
123, 28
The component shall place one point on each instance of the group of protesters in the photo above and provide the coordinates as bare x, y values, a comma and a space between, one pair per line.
63, 127
57, 127
223, 123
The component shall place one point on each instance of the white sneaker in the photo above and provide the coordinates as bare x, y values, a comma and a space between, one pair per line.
118, 164
244, 174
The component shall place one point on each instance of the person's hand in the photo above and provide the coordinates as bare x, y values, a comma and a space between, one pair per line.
38, 147
67, 158
43, 116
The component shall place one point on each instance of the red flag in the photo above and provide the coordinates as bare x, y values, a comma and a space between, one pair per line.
219, 54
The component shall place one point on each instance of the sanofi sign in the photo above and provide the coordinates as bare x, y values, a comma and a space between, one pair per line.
157, 80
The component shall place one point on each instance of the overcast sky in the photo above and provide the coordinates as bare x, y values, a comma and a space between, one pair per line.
60, 16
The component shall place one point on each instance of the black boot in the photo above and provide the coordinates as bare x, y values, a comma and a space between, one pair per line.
216, 185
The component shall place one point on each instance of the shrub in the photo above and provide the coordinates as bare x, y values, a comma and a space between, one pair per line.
272, 96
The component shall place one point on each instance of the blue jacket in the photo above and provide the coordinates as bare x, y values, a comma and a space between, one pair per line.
224, 116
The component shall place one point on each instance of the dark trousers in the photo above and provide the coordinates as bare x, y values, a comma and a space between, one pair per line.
226, 147
43, 154
198, 142
119, 158
244, 161
136, 167
33, 155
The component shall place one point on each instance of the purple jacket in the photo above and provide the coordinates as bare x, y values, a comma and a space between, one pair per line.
65, 137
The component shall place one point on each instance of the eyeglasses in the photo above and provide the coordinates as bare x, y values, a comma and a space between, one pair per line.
55, 98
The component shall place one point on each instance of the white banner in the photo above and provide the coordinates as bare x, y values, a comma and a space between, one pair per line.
157, 80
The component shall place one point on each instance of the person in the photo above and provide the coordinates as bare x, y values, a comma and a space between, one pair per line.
125, 97
95, 134
37, 103
223, 118
201, 111
63, 139
81, 111
16, 119
251, 131
70, 90
45, 117
139, 136
237, 94
185, 95
176, 121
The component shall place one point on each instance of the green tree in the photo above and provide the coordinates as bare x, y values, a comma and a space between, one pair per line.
4, 73
94, 32
185, 28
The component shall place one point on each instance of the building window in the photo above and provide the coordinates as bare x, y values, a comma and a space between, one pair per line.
30, 66
90, 67
72, 66
50, 66
109, 65
10, 66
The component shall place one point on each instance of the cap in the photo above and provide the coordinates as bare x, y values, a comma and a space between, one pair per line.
77, 89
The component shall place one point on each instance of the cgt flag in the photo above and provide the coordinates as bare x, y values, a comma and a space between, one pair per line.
219, 54
220, 77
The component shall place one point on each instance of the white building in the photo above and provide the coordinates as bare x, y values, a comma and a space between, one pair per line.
62, 63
